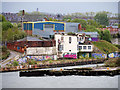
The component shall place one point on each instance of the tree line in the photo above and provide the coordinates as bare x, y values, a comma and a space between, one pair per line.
10, 32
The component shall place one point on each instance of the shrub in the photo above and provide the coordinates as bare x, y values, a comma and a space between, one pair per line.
71, 33
15, 63
31, 62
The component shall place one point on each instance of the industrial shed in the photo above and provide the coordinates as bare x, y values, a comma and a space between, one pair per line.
48, 28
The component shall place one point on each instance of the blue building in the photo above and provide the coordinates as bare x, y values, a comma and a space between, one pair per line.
48, 28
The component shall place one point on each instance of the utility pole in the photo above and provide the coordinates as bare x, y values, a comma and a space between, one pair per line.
23, 12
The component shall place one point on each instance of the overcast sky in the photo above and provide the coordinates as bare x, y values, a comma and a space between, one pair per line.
60, 7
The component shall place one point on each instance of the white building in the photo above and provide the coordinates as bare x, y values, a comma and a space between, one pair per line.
84, 43
66, 45
69, 45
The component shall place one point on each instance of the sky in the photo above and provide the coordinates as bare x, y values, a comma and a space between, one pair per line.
60, 7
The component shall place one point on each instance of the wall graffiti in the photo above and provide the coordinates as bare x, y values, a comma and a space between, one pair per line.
96, 55
70, 55
40, 58
113, 55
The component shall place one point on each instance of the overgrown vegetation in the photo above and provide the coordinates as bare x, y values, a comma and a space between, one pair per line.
15, 63
105, 46
112, 62
31, 62
5, 52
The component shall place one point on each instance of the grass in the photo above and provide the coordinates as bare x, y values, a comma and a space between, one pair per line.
112, 62
105, 46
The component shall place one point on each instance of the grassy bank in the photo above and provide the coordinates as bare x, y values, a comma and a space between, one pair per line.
105, 46
112, 62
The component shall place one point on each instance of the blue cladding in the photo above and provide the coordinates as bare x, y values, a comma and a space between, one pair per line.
38, 26
27, 26
59, 26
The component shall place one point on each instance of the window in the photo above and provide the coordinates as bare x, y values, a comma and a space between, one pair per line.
84, 47
89, 47
60, 47
62, 38
70, 39
80, 47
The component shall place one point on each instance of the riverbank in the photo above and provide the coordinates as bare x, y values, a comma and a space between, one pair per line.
89, 71
53, 65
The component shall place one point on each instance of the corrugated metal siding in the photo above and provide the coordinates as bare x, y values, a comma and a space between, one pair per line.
38, 26
27, 26
59, 26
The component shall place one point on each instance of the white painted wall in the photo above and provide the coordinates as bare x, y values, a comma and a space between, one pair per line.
66, 45
41, 51
70, 46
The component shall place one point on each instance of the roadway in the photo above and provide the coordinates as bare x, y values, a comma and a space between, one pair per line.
13, 54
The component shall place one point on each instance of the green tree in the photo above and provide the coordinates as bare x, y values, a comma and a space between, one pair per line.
15, 25
2, 18
91, 28
10, 35
93, 23
106, 35
102, 18
6, 26
81, 21
50, 19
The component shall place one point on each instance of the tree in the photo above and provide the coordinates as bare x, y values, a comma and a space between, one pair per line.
10, 35
81, 21
106, 35
2, 18
102, 18
19, 25
6, 26
91, 28
93, 23
92, 14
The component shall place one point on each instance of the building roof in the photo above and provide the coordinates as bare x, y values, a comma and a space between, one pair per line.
30, 38
88, 33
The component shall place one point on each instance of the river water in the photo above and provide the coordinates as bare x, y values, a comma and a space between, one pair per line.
12, 80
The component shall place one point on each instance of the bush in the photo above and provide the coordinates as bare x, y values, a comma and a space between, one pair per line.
5, 56
71, 33
31, 62
5, 52
4, 49
15, 63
